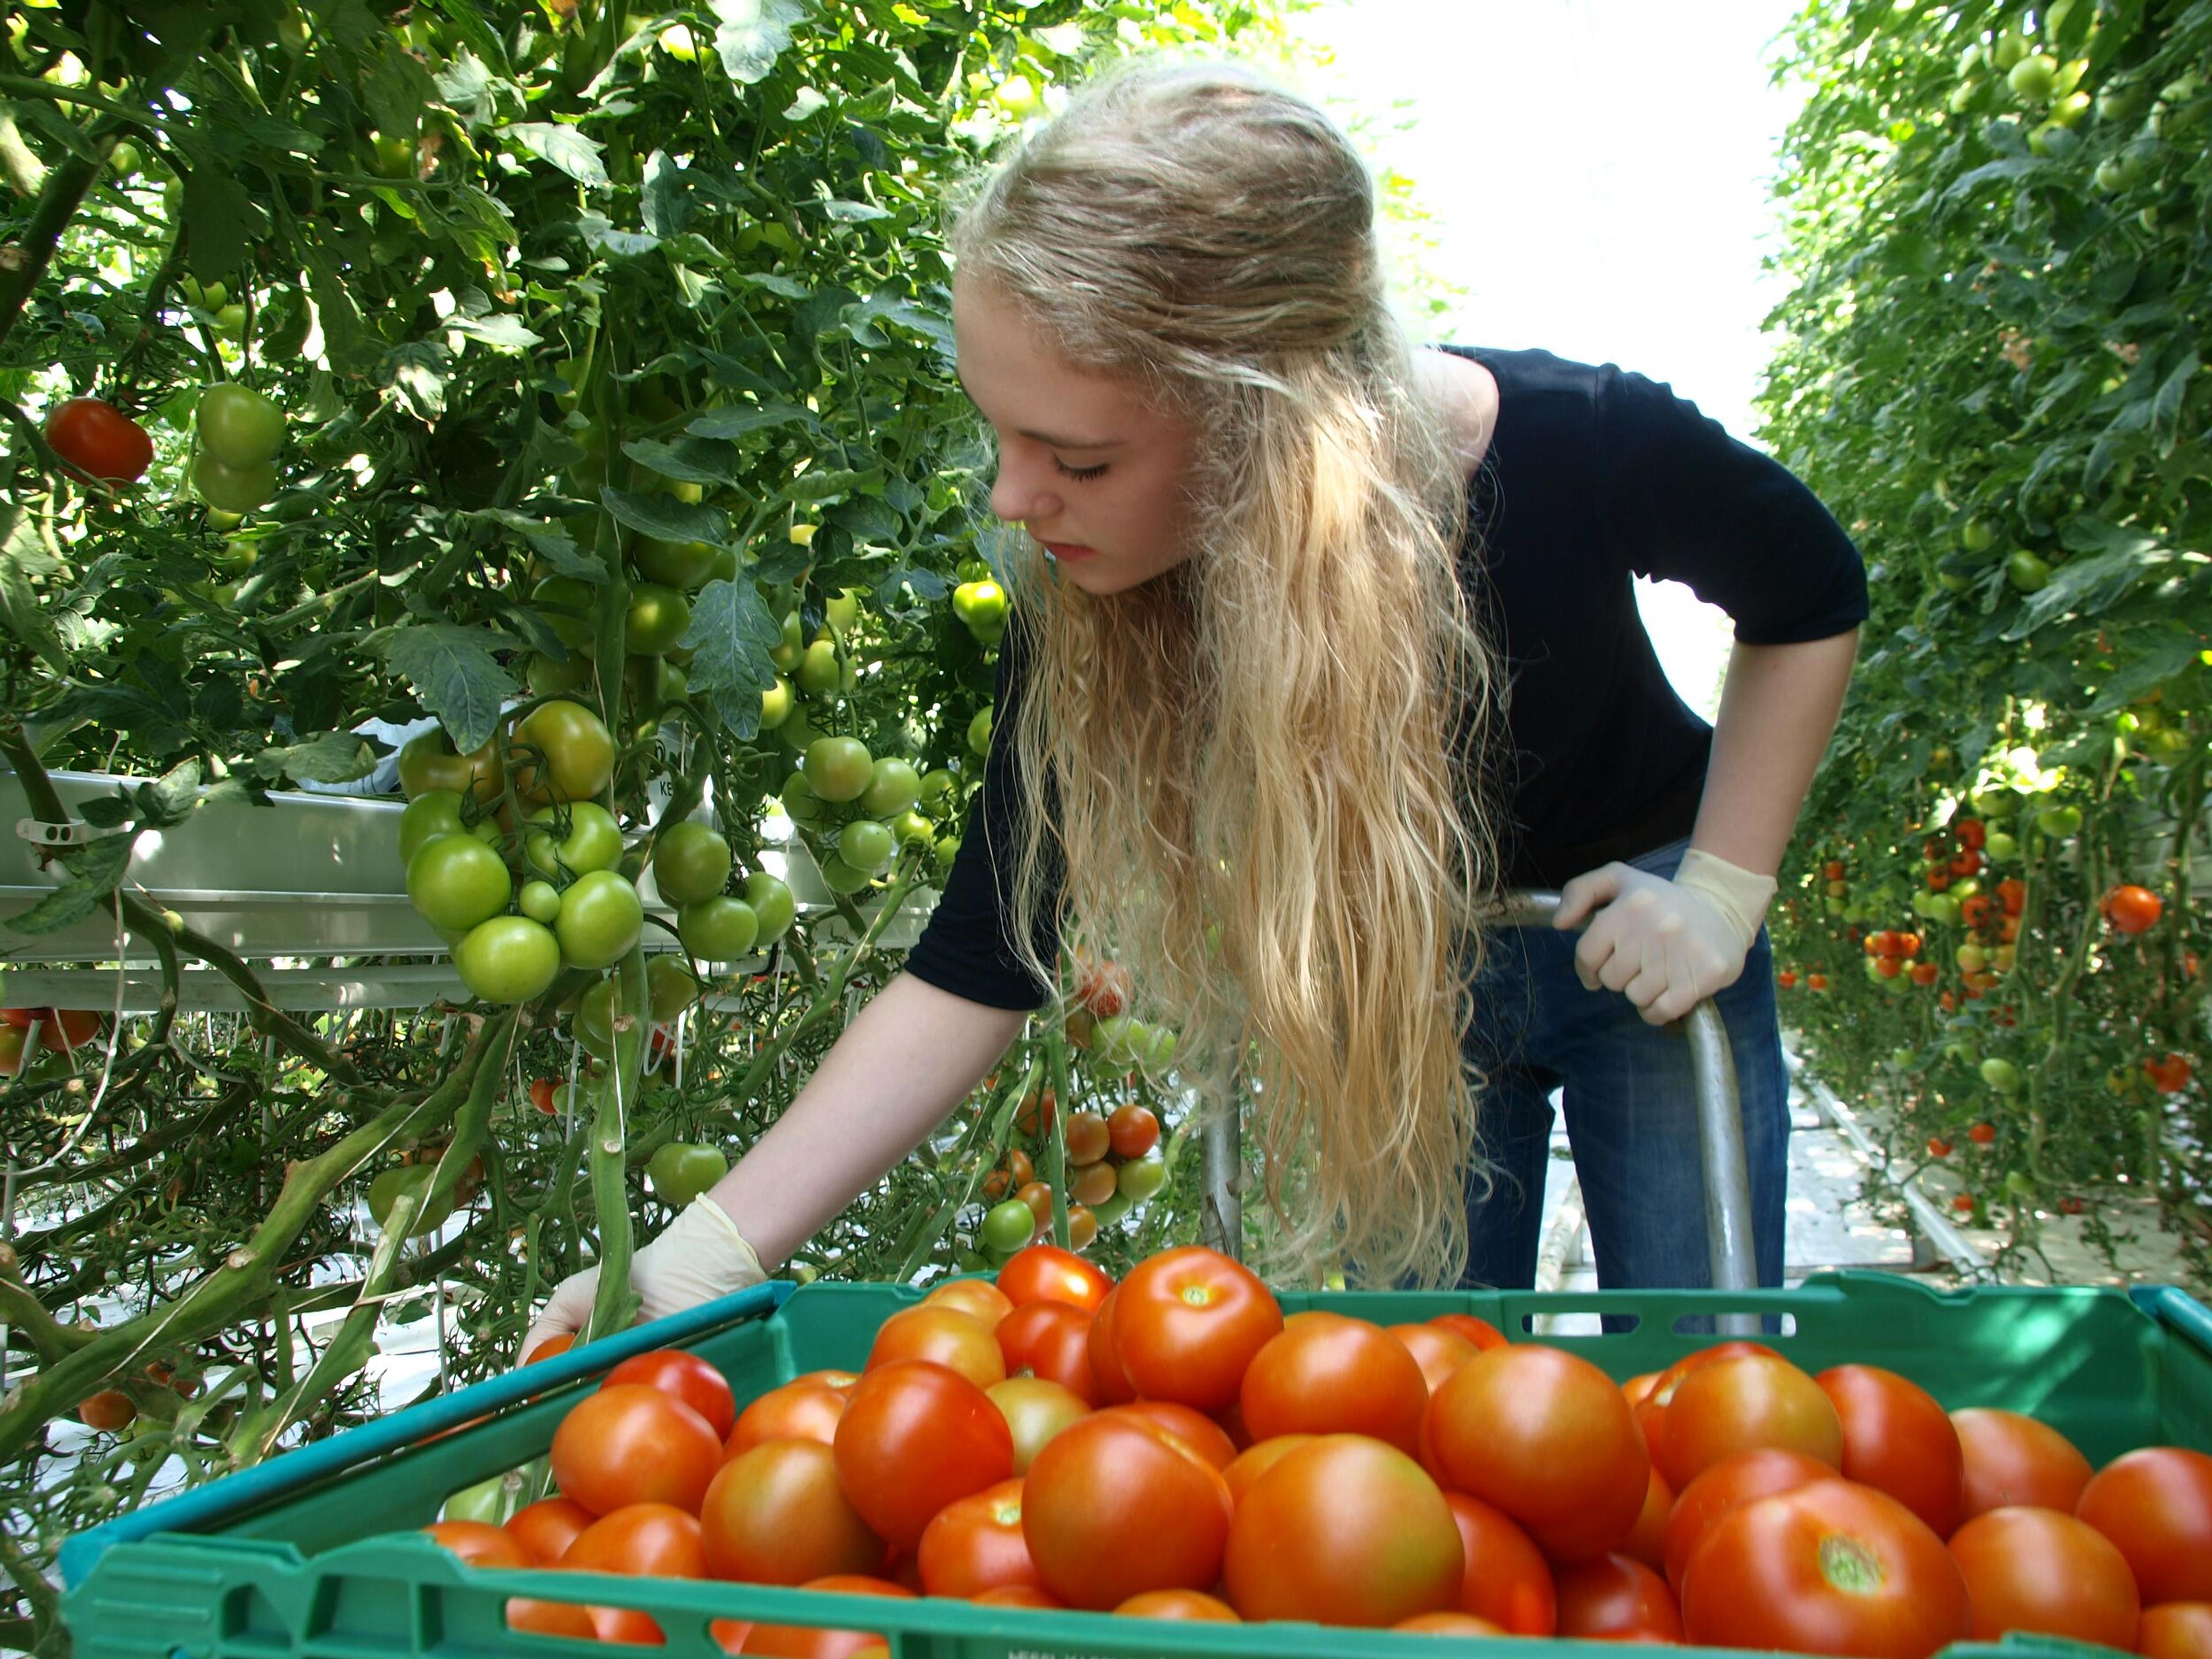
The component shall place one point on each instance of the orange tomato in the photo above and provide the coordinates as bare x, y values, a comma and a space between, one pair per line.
1325, 1374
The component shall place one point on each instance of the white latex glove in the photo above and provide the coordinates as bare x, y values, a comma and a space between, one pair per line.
699, 1256
1666, 945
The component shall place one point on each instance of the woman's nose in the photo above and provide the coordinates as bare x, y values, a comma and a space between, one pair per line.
1019, 495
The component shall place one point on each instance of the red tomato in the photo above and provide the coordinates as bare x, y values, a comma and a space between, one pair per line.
552, 1347
1189, 1605
810, 1641
1107, 1376
1325, 1374
1827, 1568
1617, 1598
1898, 1440
943, 1334
528, 1612
646, 1541
1256, 1460
634, 1444
1133, 1130
1652, 1410
101, 440
480, 1544
1103, 988
1638, 1389
1546, 1438
1035, 1410
979, 1298
1343, 1531
1731, 1481
2038, 1570
627, 1626
1089, 1140
975, 1544
2132, 910
547, 1528
1481, 1332
776, 1515
914, 1436
798, 1410
1448, 1623
2176, 1629
1112, 1507
1647, 1540
1197, 1431
1050, 1339
2156, 1504
1741, 1405
1437, 1351
1187, 1323
1018, 1595
1507, 1582
544, 1095
1045, 1272
688, 1377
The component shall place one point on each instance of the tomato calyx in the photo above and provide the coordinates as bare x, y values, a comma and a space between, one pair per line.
1851, 1566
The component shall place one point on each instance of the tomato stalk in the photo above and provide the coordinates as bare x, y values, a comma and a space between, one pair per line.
616, 1303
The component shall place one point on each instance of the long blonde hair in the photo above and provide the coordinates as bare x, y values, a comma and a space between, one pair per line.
1262, 796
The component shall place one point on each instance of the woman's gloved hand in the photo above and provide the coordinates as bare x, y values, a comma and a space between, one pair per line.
1666, 945
700, 1256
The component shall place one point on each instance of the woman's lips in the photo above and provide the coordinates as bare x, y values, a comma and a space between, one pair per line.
1068, 551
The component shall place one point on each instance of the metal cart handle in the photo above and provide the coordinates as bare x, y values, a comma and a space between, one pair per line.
1720, 1134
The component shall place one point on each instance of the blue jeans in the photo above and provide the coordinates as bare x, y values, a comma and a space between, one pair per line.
1631, 1114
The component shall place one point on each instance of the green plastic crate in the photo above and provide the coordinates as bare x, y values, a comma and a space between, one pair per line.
297, 1559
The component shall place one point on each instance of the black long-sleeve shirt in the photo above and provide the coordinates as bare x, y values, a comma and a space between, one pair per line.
1594, 477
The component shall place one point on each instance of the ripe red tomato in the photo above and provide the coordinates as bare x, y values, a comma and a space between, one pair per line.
1190, 1606
1731, 1481
979, 1298
1103, 988
688, 1377
1741, 1404
776, 1515
528, 1612
1507, 1580
1481, 1332
1256, 1460
1045, 1272
1089, 1140
1647, 1540
647, 1541
1345, 1530
1617, 1598
547, 1528
1050, 1339
1437, 1351
1546, 1438
1035, 1410
2169, 1076
1198, 1431
1939, 1148
2176, 1629
1018, 1595
544, 1095
798, 1410
943, 1334
480, 1544
2156, 1504
1827, 1568
634, 1444
1110, 1381
2132, 910
1112, 1507
975, 1544
1325, 1374
914, 1436
1898, 1440
99, 439
2037, 1570
812, 1642
1187, 1323
1134, 1129
2012, 1459
1983, 1134
1652, 1410
1924, 973
1972, 832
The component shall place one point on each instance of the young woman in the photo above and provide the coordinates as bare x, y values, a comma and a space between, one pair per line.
1319, 640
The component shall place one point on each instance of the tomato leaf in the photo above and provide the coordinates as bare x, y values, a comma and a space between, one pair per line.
20, 554
455, 674
666, 518
751, 34
549, 541
694, 460
2166, 405
561, 147
736, 422
2087, 587
732, 631
95, 871
328, 757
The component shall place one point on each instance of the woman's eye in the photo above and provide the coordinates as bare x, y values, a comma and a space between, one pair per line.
1078, 473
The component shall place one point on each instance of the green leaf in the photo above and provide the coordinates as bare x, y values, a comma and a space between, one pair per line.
504, 332
737, 421
2166, 405
731, 633
749, 35
328, 757
169, 799
549, 541
2087, 587
666, 517
96, 870
455, 674
563, 147
694, 460
20, 554
221, 221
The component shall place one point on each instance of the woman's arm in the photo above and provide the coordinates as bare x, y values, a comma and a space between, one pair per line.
1779, 707
911, 1056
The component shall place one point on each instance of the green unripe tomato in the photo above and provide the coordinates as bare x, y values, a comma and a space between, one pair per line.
594, 840
939, 787
819, 673
594, 1021
1944, 907
979, 733
550, 676
240, 555
1977, 535
777, 704
540, 901
457, 882
1142, 1177
787, 653
948, 849
772, 904
233, 489
658, 618
682, 1171
718, 929
913, 830
866, 845
673, 565
508, 959
486, 1501
670, 986
800, 804
797, 731
413, 1178
2028, 573
840, 876
2001, 1075
692, 862
839, 768
433, 813
600, 920
893, 787
2059, 822
235, 424
842, 610
1009, 1225
2034, 78
568, 604
2000, 848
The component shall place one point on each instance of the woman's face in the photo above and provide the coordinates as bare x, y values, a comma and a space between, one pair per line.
1086, 464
